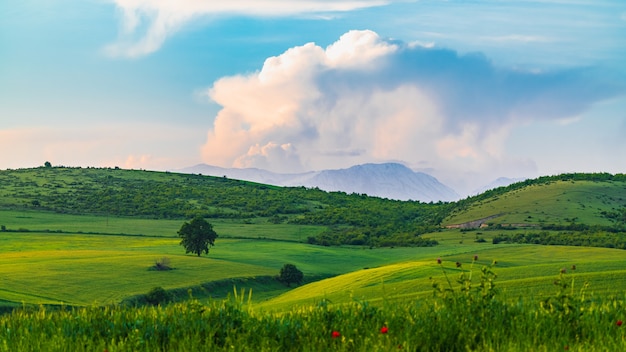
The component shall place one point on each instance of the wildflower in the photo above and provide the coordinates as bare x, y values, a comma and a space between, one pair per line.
384, 330
573, 267
563, 270
458, 264
566, 347
619, 323
336, 334
475, 257
438, 260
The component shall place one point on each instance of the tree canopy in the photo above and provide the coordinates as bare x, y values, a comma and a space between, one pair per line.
289, 273
197, 236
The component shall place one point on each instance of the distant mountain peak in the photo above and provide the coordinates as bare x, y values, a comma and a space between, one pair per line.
385, 180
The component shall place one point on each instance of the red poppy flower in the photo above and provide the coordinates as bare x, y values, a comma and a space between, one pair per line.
384, 330
336, 334
619, 323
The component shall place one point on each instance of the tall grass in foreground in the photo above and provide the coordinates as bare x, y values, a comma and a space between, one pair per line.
466, 313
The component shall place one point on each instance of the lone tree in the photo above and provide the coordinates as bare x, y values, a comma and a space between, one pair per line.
197, 236
289, 273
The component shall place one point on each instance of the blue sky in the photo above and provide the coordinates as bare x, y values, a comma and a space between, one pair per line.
467, 91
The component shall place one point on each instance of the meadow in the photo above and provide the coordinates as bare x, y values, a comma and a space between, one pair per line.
74, 280
463, 315
86, 260
553, 202
76, 264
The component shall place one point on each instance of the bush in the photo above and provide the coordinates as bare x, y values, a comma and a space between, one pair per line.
162, 264
157, 296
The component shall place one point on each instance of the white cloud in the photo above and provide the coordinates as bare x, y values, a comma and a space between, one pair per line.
280, 158
365, 99
161, 18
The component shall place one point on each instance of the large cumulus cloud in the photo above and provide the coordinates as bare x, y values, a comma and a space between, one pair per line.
365, 99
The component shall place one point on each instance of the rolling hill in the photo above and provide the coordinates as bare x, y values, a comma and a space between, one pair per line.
68, 229
560, 200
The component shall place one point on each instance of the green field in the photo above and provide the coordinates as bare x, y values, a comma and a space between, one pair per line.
102, 266
523, 271
94, 268
89, 239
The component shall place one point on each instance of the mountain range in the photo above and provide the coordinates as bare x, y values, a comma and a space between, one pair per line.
387, 180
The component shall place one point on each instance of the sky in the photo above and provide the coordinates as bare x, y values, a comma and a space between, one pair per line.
465, 90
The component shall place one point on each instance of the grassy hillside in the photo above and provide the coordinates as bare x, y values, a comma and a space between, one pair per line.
84, 236
552, 201
522, 271
90, 237
83, 269
349, 219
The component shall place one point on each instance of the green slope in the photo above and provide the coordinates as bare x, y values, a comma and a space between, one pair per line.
555, 202
81, 269
85, 236
348, 218
523, 271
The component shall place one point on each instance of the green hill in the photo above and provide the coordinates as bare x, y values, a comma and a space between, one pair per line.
522, 271
348, 218
558, 202
85, 236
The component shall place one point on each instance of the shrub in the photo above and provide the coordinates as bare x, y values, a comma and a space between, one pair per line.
157, 296
162, 264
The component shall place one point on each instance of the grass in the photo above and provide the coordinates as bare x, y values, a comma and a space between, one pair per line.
523, 271
82, 269
557, 202
53, 222
85, 269
95, 262
453, 320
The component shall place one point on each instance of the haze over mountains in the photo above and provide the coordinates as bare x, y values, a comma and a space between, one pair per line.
388, 180
499, 182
